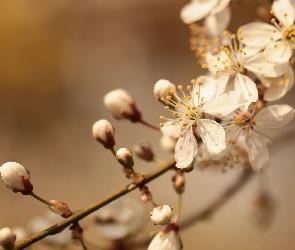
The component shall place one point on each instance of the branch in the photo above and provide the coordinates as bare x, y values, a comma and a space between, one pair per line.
80, 214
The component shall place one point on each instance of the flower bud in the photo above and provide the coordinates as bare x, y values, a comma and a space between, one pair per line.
121, 105
16, 177
168, 144
77, 231
143, 150
60, 208
167, 239
7, 238
178, 181
104, 132
125, 157
161, 215
162, 89
146, 195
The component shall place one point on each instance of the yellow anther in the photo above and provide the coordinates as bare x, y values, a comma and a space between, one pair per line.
186, 114
172, 123
181, 134
180, 119
275, 45
174, 114
231, 141
189, 97
217, 40
216, 73
272, 12
197, 93
180, 101
233, 36
274, 30
188, 107
204, 66
179, 86
203, 55
225, 32
241, 38
193, 81
200, 83
273, 20
172, 91
161, 124
177, 106
162, 99
280, 23
285, 14
193, 107
188, 87
226, 67
166, 107
162, 117
239, 31
218, 58
216, 49
271, 38
183, 127
168, 97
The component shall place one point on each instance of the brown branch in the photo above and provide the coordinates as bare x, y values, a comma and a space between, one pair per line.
80, 214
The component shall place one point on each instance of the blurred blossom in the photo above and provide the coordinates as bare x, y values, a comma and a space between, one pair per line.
120, 218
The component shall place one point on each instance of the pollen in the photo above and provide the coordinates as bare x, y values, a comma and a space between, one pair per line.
162, 117
166, 107
180, 119
275, 45
179, 86
233, 36
272, 12
204, 66
200, 83
193, 81
174, 114
225, 32
161, 124
168, 97
188, 87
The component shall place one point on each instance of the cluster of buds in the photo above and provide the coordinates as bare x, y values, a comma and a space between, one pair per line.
16, 178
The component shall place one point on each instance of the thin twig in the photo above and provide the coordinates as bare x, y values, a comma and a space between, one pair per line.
80, 214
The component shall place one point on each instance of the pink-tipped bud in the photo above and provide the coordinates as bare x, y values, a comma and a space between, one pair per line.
7, 238
121, 105
161, 215
104, 132
178, 181
125, 158
143, 150
60, 208
146, 195
162, 89
16, 177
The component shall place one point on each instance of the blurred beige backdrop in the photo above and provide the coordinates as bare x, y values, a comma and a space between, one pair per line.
57, 61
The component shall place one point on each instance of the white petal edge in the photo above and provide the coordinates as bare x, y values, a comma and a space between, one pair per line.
278, 52
274, 116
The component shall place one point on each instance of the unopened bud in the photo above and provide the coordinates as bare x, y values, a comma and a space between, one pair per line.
121, 105
161, 215
168, 144
77, 231
16, 177
146, 195
178, 181
125, 157
143, 150
162, 89
104, 132
60, 208
7, 238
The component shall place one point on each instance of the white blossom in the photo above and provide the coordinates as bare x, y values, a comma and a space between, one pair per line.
242, 129
277, 40
161, 215
191, 113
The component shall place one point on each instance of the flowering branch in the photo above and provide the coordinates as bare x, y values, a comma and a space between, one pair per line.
80, 214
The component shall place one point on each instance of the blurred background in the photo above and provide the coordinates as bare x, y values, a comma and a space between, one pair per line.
57, 61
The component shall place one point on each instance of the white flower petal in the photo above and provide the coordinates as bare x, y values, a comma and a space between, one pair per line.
258, 151
278, 52
283, 11
172, 131
165, 241
246, 86
224, 104
222, 4
186, 149
196, 10
213, 135
260, 65
258, 34
275, 116
208, 88
215, 24
279, 87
